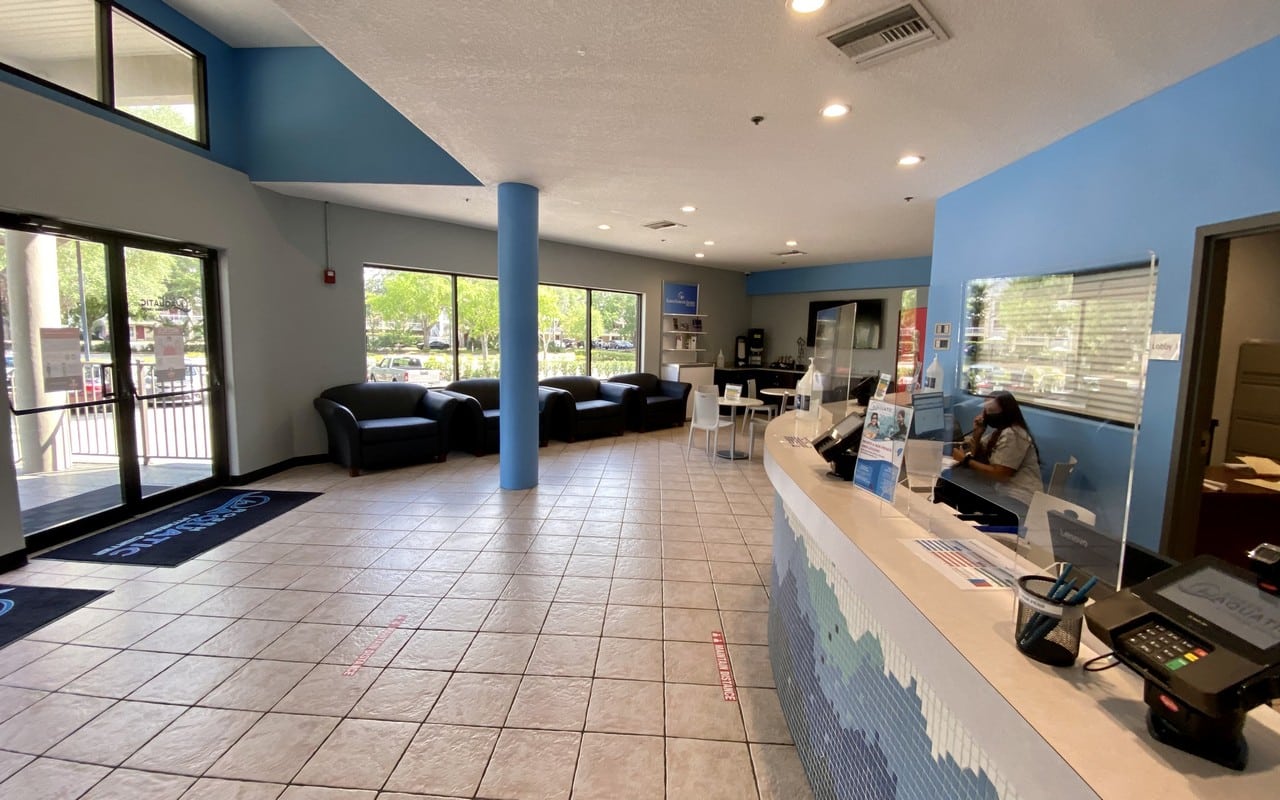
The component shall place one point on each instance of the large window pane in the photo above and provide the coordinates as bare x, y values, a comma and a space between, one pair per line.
478, 328
409, 330
562, 331
55, 40
614, 328
155, 79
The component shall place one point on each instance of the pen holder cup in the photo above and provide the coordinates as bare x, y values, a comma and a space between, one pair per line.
1047, 630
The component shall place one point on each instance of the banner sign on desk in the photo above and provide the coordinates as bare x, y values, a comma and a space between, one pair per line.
884, 435
679, 298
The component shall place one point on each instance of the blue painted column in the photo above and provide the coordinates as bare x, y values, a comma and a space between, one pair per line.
518, 334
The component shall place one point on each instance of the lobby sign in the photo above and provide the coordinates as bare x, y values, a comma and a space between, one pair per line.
60, 354
884, 439
679, 298
170, 354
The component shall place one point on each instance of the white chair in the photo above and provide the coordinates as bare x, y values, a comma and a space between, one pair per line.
749, 414
706, 417
760, 424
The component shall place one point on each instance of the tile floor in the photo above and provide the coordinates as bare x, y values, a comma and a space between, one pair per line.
419, 633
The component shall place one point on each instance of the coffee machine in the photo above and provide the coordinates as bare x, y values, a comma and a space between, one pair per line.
755, 347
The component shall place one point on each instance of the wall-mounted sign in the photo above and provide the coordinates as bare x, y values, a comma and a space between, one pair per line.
1166, 346
679, 298
60, 357
170, 354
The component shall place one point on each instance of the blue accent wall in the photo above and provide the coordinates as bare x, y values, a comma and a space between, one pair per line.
308, 118
1143, 179
831, 277
518, 335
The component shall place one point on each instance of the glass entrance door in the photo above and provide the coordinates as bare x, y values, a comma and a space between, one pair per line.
111, 396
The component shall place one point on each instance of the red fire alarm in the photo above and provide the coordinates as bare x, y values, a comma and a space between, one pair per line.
330, 276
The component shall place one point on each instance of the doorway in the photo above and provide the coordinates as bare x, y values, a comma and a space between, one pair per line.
112, 368
1234, 291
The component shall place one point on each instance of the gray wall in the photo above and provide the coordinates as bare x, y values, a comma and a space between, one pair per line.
1253, 295
288, 334
785, 318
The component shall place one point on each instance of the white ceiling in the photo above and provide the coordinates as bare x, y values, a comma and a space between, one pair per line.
621, 112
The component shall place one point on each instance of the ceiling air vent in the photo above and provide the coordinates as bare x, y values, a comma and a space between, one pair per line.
792, 252
889, 33
664, 225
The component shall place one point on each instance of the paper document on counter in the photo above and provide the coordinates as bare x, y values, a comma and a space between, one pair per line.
1272, 485
965, 562
1264, 467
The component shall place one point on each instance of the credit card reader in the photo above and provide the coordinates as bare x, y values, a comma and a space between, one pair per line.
1205, 637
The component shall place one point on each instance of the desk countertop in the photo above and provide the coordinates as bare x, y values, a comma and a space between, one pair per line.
1094, 720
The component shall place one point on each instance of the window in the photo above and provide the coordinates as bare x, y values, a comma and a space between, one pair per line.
64, 43
410, 315
1072, 342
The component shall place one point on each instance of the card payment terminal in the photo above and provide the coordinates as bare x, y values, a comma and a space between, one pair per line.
1206, 639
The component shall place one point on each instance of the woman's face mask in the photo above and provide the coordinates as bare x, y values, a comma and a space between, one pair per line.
994, 417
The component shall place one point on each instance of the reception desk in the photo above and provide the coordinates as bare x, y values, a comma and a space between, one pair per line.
897, 683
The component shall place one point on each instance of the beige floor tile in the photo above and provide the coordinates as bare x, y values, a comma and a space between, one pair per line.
116, 733
636, 659
780, 773
370, 646
344, 609
49, 779
516, 616
306, 641
478, 586
14, 700
75, 624
441, 650
564, 655
326, 793
498, 652
735, 572
244, 638
751, 665
404, 612
705, 770
406, 695
57, 668
275, 748
458, 615
685, 570
574, 619
121, 674
633, 622
475, 699
612, 766
184, 634
690, 624
359, 754
444, 760
219, 789
745, 627
327, 690
194, 741
46, 722
536, 588
22, 652
692, 551
128, 784
179, 599
189, 679
683, 594
577, 589
619, 706
531, 765
125, 630
701, 712
257, 686
762, 714
325, 579
636, 591
550, 703
233, 602
741, 598
427, 584
690, 662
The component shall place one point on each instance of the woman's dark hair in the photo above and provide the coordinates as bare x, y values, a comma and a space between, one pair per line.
1013, 411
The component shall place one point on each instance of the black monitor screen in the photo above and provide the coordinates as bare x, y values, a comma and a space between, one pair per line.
1241, 609
845, 434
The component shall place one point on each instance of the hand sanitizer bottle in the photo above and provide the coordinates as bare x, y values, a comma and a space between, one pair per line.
933, 375
720, 359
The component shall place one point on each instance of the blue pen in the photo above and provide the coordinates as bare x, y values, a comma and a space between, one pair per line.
1083, 593
1037, 618
1042, 629
1039, 625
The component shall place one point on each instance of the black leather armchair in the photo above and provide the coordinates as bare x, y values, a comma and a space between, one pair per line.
375, 425
595, 408
655, 403
476, 422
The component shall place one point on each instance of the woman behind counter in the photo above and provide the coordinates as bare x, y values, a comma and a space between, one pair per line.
1002, 450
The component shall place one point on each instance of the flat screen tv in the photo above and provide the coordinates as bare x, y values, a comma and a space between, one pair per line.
866, 326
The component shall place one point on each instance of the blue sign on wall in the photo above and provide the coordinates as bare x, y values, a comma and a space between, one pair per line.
679, 298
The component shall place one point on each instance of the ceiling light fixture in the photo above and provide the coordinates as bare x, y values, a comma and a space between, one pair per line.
709, 243
792, 243
604, 227
699, 255
910, 160
835, 110
688, 209
805, 6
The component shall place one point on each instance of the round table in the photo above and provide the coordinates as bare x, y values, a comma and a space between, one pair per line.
785, 394
742, 402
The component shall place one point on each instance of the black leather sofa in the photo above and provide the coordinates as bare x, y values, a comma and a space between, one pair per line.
656, 403
476, 422
596, 408
376, 425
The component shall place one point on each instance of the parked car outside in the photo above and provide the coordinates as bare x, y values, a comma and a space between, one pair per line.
191, 382
437, 343
403, 369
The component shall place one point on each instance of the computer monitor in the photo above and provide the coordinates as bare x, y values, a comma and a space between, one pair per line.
1084, 547
845, 435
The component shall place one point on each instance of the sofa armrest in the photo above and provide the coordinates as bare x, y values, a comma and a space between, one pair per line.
617, 392
338, 419
438, 405
677, 389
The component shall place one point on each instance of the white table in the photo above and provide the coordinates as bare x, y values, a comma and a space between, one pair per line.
785, 394
742, 402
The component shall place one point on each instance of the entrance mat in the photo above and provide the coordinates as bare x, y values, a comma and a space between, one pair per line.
170, 536
39, 518
24, 609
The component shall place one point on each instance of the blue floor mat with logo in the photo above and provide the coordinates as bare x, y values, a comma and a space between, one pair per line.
24, 609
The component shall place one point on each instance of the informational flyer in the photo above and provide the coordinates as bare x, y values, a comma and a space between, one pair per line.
882, 387
928, 411
60, 354
884, 436
170, 354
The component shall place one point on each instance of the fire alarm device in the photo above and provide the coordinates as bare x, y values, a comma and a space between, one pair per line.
330, 276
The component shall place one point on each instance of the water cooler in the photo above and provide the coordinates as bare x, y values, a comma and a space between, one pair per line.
755, 347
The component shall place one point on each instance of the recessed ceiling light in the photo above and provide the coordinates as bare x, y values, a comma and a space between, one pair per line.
699, 255
688, 209
833, 110
709, 243
792, 243
604, 227
910, 161
806, 6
